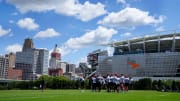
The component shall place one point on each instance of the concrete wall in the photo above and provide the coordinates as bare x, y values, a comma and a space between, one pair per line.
150, 64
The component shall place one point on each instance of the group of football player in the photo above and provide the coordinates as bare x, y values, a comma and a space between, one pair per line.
112, 83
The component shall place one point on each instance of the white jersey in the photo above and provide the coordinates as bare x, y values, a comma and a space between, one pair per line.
108, 79
111, 79
100, 79
122, 79
114, 79
93, 80
117, 80
126, 80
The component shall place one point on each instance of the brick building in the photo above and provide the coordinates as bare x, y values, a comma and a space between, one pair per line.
15, 74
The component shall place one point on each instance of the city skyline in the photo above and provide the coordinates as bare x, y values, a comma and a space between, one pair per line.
79, 27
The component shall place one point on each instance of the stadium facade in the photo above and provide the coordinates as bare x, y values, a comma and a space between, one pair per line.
152, 56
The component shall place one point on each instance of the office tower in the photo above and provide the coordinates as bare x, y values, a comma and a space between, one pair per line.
4, 65
28, 44
32, 61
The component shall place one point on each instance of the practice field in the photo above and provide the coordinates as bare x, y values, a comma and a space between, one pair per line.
87, 95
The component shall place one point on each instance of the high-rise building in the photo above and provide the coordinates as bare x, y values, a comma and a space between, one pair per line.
43, 61
7, 67
4, 65
55, 58
28, 44
27, 61
63, 66
70, 71
32, 61
55, 63
70, 68
12, 59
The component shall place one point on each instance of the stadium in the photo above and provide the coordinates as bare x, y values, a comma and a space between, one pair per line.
149, 56
153, 56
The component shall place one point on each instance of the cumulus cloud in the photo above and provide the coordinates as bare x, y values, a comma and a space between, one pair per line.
28, 23
89, 11
48, 33
14, 48
84, 12
4, 31
130, 17
98, 36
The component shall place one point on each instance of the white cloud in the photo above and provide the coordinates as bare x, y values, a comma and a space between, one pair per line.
4, 31
14, 48
48, 33
130, 17
28, 23
89, 11
84, 12
159, 29
98, 36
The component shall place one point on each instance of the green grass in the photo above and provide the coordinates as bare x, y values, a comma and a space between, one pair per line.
87, 95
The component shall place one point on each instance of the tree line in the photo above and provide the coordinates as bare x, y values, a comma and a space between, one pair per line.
63, 82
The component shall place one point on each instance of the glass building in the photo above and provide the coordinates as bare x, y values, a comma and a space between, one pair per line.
32, 61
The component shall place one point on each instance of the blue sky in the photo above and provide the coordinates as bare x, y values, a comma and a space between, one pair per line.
81, 26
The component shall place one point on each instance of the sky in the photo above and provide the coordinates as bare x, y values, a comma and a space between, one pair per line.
79, 27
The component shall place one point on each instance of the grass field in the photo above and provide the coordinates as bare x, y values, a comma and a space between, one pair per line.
87, 95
